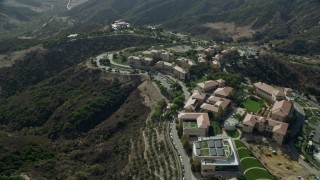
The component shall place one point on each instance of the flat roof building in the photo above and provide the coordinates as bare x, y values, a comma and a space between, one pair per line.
215, 154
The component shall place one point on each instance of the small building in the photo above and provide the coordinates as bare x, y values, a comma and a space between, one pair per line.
208, 86
172, 69
281, 110
180, 73
139, 61
196, 99
194, 124
262, 124
223, 92
216, 105
185, 61
288, 91
215, 154
266, 91
120, 25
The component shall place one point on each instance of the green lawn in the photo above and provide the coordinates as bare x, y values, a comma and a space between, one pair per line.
216, 127
204, 152
244, 153
239, 143
258, 174
251, 105
233, 134
190, 124
203, 144
248, 163
119, 61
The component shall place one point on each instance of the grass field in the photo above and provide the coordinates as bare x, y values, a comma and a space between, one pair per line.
239, 143
254, 174
248, 163
244, 153
233, 134
251, 105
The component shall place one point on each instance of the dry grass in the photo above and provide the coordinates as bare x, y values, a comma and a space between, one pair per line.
231, 29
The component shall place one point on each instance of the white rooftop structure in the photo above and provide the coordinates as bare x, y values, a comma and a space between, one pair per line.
216, 151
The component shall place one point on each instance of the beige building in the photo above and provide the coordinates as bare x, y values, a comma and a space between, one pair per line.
288, 91
139, 61
180, 73
185, 62
216, 105
194, 124
196, 100
281, 110
175, 70
276, 129
161, 54
266, 91
210, 85
215, 154
223, 92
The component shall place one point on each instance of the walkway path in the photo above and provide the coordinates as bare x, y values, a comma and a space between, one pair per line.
241, 148
248, 158
254, 168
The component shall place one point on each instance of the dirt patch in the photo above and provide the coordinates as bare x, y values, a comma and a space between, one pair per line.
10, 59
231, 29
279, 161
150, 94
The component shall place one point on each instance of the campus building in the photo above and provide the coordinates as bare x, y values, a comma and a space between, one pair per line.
276, 129
216, 105
268, 92
215, 154
211, 85
194, 124
281, 110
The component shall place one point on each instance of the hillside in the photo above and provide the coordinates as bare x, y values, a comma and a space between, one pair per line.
72, 125
18, 16
274, 18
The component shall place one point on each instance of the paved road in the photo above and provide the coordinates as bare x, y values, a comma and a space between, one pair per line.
188, 175
176, 154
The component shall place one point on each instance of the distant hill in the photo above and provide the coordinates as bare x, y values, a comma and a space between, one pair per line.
18, 16
274, 18
214, 19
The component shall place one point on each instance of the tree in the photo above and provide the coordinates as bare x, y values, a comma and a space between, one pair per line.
185, 142
123, 59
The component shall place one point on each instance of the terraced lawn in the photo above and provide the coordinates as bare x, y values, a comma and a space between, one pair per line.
254, 174
239, 143
244, 153
249, 163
